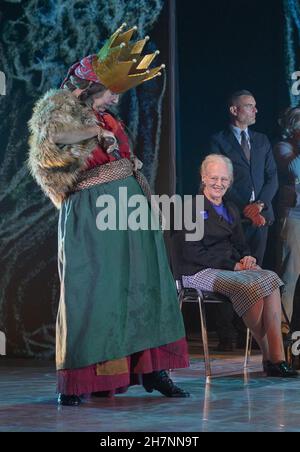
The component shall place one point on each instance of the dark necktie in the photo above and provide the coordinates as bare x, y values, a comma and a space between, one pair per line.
245, 145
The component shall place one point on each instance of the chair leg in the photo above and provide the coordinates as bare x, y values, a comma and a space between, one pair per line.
248, 348
180, 299
204, 337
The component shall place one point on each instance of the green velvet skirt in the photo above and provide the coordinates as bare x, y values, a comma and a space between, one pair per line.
118, 295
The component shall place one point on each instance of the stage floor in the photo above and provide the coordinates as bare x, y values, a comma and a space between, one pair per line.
230, 402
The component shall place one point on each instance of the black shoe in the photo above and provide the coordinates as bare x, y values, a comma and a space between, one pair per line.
162, 383
68, 400
281, 370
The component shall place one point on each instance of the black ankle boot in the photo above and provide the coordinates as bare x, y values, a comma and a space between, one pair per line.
162, 383
68, 400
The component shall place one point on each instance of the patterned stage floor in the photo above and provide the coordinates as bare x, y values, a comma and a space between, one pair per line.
230, 402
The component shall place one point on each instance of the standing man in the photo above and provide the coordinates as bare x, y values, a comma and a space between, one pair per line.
255, 179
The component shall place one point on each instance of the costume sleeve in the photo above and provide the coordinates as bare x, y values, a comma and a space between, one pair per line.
56, 167
59, 111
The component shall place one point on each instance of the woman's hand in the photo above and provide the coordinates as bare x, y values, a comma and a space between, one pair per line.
107, 141
248, 263
108, 134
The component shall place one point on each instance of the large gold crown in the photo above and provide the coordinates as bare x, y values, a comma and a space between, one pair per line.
120, 66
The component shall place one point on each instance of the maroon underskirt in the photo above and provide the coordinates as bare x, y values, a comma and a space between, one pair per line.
85, 380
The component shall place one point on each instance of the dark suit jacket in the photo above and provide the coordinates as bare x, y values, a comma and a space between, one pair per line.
222, 246
261, 174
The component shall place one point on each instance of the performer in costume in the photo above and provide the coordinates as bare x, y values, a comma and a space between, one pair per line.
118, 322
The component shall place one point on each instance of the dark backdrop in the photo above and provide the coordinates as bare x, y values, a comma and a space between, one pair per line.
223, 46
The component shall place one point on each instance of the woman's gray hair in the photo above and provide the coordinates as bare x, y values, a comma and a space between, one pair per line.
289, 122
213, 158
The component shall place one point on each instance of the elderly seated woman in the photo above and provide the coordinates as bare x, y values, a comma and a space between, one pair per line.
221, 262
